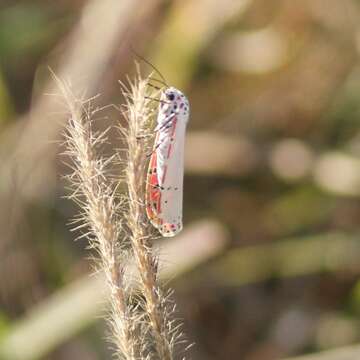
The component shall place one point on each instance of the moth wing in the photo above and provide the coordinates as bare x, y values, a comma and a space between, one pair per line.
172, 170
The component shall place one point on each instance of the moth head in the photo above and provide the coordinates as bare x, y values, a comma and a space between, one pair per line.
174, 101
172, 94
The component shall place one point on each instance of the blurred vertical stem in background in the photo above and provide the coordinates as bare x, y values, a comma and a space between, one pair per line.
190, 27
85, 56
6, 107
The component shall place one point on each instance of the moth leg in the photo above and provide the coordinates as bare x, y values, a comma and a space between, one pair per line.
140, 137
167, 121
167, 124
156, 147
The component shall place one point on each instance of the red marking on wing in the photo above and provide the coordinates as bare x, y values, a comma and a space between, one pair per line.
169, 229
164, 175
173, 127
169, 151
153, 193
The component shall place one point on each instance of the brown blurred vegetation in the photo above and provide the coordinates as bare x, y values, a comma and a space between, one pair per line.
273, 155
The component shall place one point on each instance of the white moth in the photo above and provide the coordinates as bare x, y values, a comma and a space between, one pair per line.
164, 190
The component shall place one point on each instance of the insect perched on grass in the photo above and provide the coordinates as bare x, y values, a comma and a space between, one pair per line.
164, 189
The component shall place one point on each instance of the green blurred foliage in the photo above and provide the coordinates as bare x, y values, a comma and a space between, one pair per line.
257, 73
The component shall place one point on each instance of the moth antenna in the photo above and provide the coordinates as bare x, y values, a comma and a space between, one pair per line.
153, 86
150, 64
161, 101
160, 81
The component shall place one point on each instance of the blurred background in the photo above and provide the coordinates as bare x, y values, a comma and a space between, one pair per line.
272, 181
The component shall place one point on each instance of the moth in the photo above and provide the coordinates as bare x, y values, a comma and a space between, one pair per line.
164, 188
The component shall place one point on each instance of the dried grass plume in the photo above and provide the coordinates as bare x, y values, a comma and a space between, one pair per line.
142, 322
